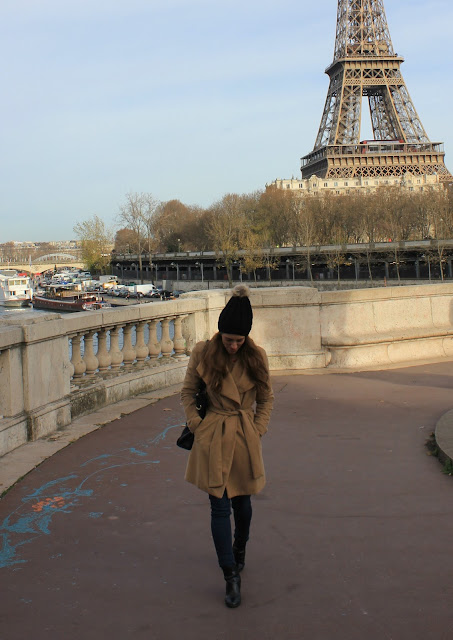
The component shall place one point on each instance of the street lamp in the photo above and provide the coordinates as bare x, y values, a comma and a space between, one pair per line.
134, 268
290, 262
237, 263
200, 264
175, 264
120, 266
179, 245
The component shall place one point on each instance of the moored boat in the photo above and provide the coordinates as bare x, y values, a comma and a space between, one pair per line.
15, 290
67, 298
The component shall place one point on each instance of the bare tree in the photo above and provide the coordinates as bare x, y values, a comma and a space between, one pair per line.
225, 228
253, 256
170, 220
135, 214
273, 212
125, 241
441, 223
96, 241
303, 226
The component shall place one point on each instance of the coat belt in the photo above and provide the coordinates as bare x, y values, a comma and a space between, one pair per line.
215, 449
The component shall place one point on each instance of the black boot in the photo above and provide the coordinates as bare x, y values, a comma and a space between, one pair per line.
233, 586
239, 556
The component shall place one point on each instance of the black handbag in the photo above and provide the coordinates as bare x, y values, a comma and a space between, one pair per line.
185, 440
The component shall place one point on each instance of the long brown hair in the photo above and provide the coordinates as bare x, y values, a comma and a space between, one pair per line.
215, 359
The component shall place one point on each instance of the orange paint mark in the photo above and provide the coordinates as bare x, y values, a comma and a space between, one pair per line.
54, 503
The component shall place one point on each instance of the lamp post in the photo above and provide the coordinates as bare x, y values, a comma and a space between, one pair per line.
175, 264
200, 264
120, 266
179, 245
290, 262
134, 268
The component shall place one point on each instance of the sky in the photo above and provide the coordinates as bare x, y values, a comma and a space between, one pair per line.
184, 99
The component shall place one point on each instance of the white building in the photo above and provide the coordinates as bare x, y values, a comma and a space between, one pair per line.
340, 186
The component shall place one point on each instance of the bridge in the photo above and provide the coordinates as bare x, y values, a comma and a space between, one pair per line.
48, 261
92, 359
350, 537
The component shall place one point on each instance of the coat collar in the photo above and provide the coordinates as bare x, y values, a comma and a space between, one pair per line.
235, 382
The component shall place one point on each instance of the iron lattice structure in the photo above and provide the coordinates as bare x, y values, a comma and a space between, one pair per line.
365, 65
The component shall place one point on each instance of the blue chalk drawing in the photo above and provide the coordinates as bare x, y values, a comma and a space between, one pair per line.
33, 516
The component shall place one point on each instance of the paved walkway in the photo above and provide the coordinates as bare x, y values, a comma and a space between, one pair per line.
351, 537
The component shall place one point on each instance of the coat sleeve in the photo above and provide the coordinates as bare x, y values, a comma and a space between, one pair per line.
264, 401
190, 387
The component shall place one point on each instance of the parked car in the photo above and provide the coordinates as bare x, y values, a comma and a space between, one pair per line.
166, 295
117, 291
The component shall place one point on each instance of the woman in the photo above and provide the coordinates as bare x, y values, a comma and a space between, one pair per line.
226, 459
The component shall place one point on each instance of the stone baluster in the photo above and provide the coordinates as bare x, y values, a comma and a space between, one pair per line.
90, 359
128, 349
103, 355
116, 354
71, 366
179, 342
166, 344
141, 349
153, 343
78, 364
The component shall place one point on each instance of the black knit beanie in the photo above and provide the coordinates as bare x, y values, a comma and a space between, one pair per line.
237, 316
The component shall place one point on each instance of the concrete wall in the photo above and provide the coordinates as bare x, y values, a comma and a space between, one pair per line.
300, 328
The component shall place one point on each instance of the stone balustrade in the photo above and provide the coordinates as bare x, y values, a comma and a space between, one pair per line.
55, 367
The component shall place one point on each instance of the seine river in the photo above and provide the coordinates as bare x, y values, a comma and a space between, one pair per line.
19, 311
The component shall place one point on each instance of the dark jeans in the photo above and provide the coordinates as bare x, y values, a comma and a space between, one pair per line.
221, 526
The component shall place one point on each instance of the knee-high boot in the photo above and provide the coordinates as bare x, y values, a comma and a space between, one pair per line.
233, 586
239, 555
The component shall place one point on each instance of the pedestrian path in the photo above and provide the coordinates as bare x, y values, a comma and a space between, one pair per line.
351, 538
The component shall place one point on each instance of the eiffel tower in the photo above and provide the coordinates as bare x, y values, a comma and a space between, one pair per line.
365, 65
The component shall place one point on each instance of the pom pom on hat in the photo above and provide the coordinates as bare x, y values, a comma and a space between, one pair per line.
237, 316
241, 291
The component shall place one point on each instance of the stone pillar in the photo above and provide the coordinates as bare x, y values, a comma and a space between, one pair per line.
116, 354
103, 355
153, 343
78, 364
166, 344
90, 359
128, 349
35, 372
141, 350
178, 341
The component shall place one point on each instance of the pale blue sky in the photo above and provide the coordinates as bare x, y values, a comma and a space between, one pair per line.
187, 99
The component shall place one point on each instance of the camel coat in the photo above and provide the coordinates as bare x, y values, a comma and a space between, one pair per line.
226, 453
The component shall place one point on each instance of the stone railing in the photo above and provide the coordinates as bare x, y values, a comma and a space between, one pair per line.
387, 326
54, 367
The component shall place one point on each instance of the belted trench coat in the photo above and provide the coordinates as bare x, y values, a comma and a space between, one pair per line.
226, 453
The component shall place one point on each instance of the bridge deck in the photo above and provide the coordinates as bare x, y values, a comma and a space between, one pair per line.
351, 537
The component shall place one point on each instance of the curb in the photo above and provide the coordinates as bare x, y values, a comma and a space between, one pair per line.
444, 436
17, 463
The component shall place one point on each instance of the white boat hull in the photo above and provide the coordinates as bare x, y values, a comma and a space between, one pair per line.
25, 302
